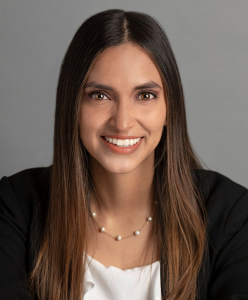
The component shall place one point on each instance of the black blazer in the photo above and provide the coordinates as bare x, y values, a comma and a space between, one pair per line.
23, 202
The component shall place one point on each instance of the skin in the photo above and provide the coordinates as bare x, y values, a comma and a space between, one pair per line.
123, 182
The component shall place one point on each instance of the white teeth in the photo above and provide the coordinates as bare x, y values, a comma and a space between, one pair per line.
122, 143
126, 142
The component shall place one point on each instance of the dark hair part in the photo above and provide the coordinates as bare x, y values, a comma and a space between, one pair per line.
58, 271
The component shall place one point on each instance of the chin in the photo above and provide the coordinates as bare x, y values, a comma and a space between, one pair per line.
118, 168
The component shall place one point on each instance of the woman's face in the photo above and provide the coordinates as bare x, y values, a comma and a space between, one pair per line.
123, 102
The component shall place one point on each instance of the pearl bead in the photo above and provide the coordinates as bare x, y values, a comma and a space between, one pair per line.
118, 237
149, 219
93, 214
102, 229
137, 232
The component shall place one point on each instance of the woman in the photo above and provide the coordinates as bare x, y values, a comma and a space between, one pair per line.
126, 211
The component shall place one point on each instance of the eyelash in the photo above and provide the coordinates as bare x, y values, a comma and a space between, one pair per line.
142, 92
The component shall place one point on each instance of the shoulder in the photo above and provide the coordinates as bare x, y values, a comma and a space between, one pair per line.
221, 194
24, 191
226, 263
226, 203
218, 189
214, 182
28, 177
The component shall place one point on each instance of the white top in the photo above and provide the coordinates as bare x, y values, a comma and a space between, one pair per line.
111, 283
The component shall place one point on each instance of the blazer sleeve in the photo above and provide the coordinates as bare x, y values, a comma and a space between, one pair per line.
229, 280
13, 245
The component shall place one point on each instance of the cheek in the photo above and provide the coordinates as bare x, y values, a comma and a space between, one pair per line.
85, 125
90, 124
154, 124
156, 119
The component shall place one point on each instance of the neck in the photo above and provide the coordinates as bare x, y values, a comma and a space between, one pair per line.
120, 194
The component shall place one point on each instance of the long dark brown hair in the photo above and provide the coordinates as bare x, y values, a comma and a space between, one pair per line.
59, 265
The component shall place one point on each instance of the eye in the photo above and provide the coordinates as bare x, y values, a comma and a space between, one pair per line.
146, 95
99, 95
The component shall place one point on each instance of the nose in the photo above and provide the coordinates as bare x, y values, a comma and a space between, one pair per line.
123, 115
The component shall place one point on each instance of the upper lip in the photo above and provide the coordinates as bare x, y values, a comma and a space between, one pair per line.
123, 137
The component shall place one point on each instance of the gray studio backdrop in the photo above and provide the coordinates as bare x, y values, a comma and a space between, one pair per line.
210, 41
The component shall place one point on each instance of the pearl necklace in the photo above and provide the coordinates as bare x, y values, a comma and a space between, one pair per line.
119, 237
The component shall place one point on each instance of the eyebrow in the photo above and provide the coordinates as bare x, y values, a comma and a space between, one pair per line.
146, 85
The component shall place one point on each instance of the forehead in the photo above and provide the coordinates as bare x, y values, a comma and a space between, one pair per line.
127, 63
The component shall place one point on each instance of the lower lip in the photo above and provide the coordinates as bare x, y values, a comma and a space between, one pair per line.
122, 150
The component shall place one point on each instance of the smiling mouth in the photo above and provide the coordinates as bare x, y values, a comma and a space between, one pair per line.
122, 143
